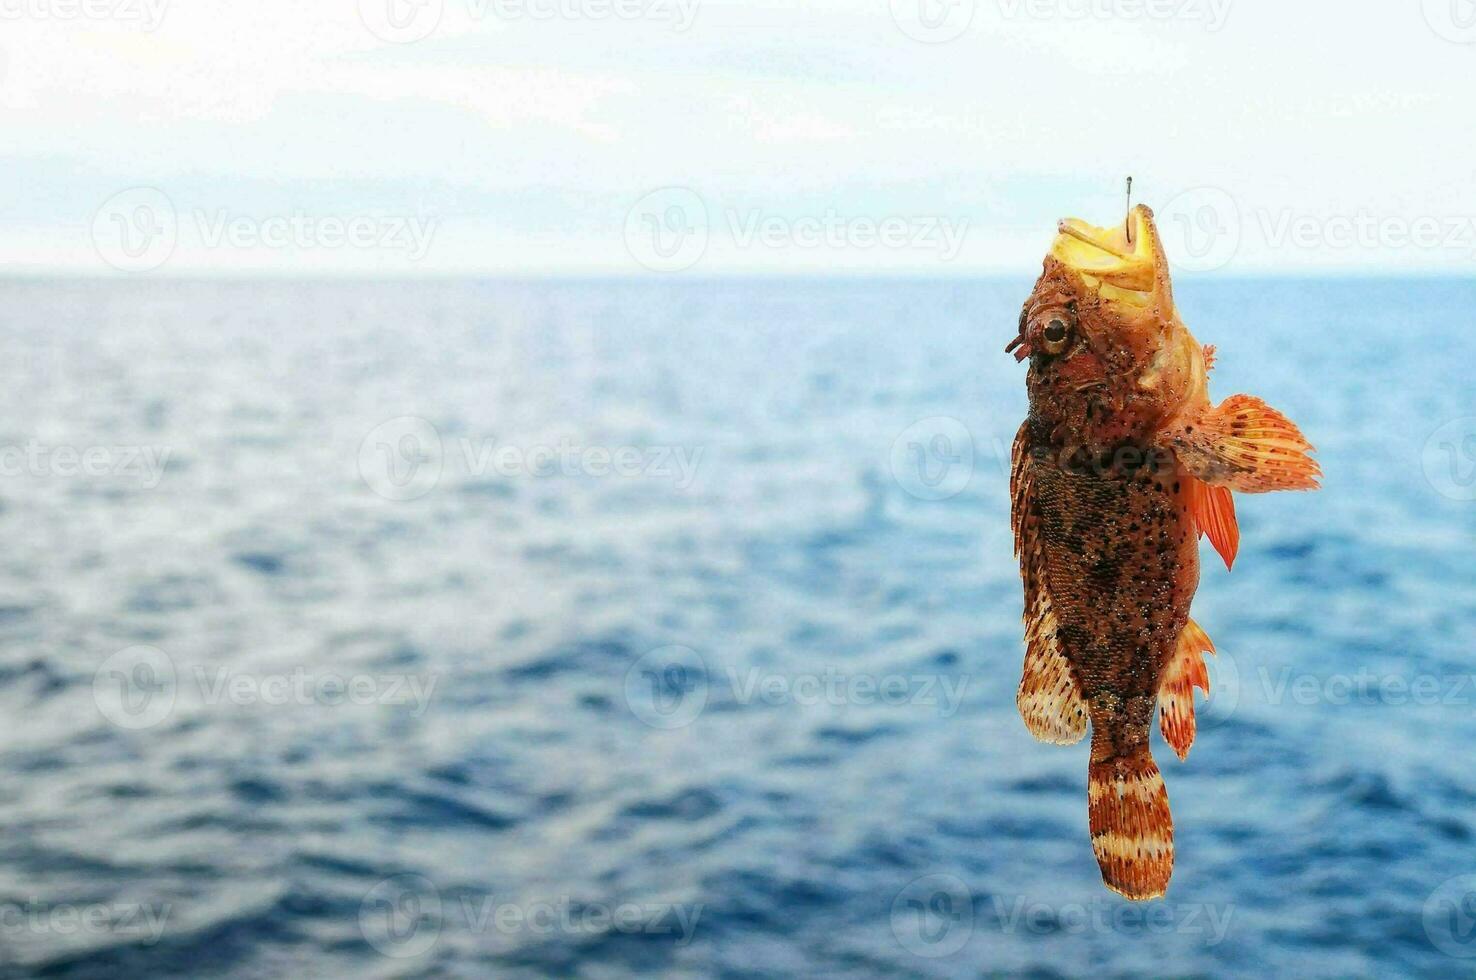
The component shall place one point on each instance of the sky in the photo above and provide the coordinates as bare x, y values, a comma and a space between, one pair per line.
696, 137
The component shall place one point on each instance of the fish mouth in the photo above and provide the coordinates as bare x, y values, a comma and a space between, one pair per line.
1123, 263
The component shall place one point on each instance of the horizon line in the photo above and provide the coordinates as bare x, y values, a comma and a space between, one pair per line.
567, 275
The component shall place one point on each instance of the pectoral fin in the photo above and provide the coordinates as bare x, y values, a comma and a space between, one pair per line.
1243, 445
1184, 673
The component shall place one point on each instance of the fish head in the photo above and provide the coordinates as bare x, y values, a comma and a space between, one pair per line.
1107, 350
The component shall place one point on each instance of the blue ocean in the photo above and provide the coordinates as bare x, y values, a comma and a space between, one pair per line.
670, 628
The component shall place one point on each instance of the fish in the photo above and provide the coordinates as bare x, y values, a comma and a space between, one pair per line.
1121, 466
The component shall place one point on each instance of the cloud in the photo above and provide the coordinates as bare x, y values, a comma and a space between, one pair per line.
531, 136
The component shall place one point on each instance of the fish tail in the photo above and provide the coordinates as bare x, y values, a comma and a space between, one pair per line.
1132, 830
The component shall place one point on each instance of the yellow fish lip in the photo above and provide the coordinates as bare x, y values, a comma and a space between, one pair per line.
1124, 263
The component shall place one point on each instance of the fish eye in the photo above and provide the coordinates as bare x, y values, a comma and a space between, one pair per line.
1054, 335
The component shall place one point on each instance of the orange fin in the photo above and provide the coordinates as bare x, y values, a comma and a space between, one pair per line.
1244, 445
1213, 510
1132, 829
1184, 673
1049, 700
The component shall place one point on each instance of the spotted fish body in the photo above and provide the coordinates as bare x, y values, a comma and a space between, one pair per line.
1119, 468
